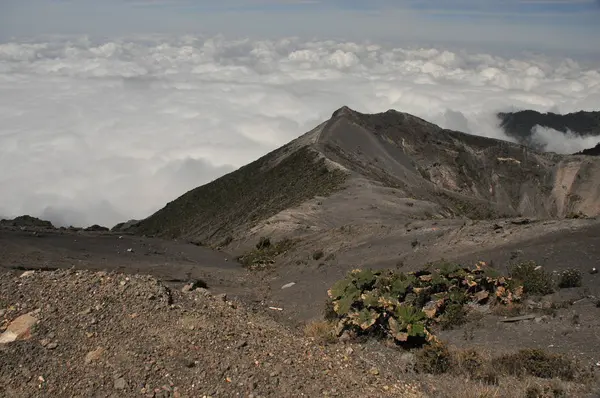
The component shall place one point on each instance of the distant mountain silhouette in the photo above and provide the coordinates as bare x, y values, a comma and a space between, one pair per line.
595, 151
519, 125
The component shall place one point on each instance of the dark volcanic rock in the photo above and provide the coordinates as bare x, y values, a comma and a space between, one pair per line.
96, 228
27, 221
595, 151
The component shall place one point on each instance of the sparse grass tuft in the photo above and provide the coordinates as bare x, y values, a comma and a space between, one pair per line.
535, 280
475, 366
538, 363
433, 359
322, 332
554, 390
570, 278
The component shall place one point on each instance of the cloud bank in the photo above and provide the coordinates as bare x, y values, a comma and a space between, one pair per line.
105, 131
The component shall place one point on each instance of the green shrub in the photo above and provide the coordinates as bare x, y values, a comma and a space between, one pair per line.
404, 306
570, 278
317, 255
265, 253
455, 314
534, 278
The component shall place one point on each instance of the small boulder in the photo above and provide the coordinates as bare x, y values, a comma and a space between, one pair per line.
193, 285
120, 384
27, 274
19, 329
222, 297
52, 346
93, 356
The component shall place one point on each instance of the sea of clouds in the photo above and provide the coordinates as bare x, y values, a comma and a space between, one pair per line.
106, 131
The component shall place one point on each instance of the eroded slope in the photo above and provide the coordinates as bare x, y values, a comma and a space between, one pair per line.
467, 175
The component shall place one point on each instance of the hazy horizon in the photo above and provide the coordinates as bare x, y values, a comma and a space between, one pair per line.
112, 109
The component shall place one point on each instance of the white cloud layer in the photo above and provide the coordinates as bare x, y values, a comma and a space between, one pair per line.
101, 132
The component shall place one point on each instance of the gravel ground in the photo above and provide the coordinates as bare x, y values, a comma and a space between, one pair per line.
104, 334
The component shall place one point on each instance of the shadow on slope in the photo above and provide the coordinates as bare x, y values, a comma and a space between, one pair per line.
237, 201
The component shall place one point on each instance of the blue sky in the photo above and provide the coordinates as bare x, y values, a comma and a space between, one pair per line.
569, 25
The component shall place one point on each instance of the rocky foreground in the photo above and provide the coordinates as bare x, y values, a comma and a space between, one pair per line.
84, 334
70, 333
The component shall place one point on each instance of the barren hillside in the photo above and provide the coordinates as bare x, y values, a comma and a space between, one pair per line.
448, 173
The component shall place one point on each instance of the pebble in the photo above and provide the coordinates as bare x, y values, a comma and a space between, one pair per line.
120, 384
52, 346
94, 355
222, 296
86, 311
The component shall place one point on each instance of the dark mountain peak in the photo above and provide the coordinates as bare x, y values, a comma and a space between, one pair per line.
520, 124
344, 111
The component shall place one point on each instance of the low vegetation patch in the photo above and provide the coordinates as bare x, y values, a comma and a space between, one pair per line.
570, 278
538, 363
318, 254
433, 359
322, 332
554, 390
526, 364
533, 277
265, 253
405, 306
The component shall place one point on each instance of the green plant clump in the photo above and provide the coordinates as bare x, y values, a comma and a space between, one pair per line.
404, 306
535, 280
570, 278
265, 253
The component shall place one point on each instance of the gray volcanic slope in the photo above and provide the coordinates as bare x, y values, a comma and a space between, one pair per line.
448, 173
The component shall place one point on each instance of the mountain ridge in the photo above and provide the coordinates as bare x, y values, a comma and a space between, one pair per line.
451, 173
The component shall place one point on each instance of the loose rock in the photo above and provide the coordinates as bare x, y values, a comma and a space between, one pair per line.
19, 329
120, 384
